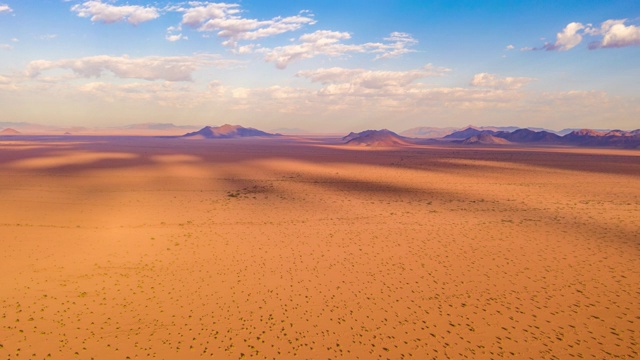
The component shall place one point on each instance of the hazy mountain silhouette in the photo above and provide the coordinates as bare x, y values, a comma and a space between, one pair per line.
227, 132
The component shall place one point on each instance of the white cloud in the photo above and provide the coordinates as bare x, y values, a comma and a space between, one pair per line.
4, 8
328, 43
224, 19
171, 68
370, 79
354, 90
198, 15
616, 34
398, 43
172, 36
6, 47
107, 13
395, 90
246, 49
498, 82
175, 37
568, 38
509, 47
321, 42
358, 91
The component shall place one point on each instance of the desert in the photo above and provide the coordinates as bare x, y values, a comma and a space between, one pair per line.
319, 179
122, 247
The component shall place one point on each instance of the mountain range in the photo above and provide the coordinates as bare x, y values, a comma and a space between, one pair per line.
485, 135
583, 137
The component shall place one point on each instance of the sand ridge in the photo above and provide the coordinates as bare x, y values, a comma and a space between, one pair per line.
177, 249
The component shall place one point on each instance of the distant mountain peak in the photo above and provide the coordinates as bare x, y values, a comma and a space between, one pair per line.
486, 139
227, 131
586, 132
10, 131
467, 133
376, 138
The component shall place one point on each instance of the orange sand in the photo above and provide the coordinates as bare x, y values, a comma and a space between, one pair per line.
117, 248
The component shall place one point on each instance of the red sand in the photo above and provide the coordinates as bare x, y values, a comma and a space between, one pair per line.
173, 249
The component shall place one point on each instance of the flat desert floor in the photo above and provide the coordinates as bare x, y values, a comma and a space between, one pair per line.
136, 248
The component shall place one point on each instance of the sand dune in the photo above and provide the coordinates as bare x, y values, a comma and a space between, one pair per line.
117, 248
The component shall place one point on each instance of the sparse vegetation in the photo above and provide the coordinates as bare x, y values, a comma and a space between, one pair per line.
321, 253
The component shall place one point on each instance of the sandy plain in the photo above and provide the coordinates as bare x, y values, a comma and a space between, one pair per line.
135, 248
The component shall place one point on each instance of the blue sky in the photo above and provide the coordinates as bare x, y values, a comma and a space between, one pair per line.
321, 65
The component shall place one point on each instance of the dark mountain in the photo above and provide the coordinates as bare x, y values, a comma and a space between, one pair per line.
353, 135
486, 139
582, 137
529, 136
623, 133
376, 138
578, 134
564, 132
615, 138
426, 132
227, 132
467, 133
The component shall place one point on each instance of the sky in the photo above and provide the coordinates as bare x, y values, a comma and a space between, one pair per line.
322, 65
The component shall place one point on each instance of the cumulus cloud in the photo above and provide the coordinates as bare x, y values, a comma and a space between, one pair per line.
4, 8
225, 20
199, 14
370, 79
498, 82
107, 13
321, 42
616, 34
172, 36
356, 89
398, 43
171, 68
175, 37
246, 49
613, 34
566, 39
328, 43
